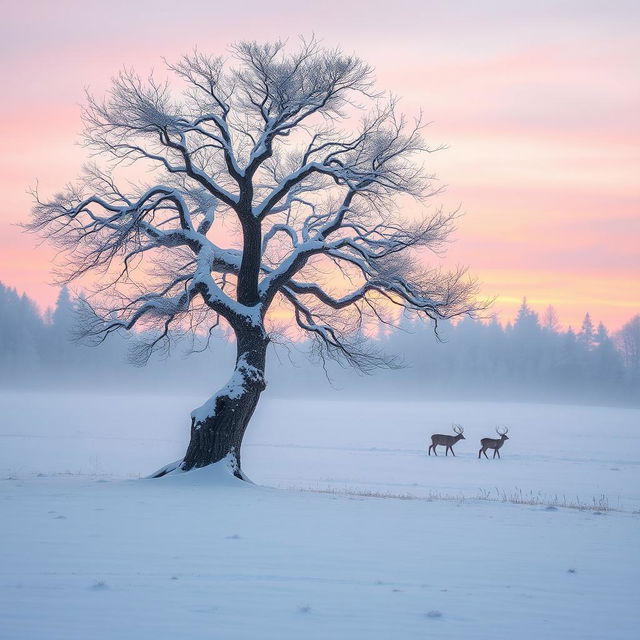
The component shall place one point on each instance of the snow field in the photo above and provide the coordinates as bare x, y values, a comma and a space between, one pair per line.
573, 453
86, 552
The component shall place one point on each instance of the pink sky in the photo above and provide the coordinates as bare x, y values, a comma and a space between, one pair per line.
539, 107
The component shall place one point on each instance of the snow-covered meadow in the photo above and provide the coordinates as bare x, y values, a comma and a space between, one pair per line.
323, 547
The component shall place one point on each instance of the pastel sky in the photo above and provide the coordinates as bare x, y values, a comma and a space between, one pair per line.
539, 107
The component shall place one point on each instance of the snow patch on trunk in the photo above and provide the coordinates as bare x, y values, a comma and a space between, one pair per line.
244, 376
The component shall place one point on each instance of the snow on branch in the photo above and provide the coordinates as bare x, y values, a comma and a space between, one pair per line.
287, 155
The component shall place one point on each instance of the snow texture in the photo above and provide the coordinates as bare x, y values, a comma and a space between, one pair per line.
243, 373
88, 551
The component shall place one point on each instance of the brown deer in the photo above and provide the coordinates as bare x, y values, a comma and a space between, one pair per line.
493, 443
446, 441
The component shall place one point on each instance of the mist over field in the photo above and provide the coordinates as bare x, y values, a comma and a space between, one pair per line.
80, 424
530, 358
350, 530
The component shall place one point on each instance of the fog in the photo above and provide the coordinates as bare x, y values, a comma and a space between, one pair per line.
530, 359
347, 499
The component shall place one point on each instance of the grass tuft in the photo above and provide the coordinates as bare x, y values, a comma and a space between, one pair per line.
598, 504
518, 496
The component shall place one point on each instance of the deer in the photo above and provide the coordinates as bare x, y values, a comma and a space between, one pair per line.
446, 441
493, 443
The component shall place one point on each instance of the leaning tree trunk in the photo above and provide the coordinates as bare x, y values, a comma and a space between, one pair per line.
218, 426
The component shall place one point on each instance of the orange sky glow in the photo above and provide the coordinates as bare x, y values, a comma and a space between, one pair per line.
538, 108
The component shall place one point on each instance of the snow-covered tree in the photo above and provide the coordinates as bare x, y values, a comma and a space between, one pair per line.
276, 181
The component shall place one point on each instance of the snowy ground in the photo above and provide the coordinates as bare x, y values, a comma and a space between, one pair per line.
89, 550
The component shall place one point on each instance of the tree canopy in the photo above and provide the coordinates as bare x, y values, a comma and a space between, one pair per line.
273, 175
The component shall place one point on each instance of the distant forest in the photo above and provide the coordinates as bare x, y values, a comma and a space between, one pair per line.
530, 359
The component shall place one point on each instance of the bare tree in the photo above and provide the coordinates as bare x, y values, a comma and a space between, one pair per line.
629, 342
274, 184
550, 319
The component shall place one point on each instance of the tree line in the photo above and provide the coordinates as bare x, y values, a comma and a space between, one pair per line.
530, 358
41, 350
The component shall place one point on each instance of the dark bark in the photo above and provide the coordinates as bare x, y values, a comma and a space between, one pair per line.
249, 273
221, 434
217, 428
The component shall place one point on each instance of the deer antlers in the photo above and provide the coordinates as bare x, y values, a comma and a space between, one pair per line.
502, 431
457, 429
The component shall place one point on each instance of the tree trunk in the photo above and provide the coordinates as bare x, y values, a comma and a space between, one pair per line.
218, 426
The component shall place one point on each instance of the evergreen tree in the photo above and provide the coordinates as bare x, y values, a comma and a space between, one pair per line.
522, 360
63, 351
586, 337
526, 320
607, 364
526, 339
63, 313
21, 335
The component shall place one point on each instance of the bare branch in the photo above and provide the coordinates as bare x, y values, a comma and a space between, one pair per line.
257, 195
